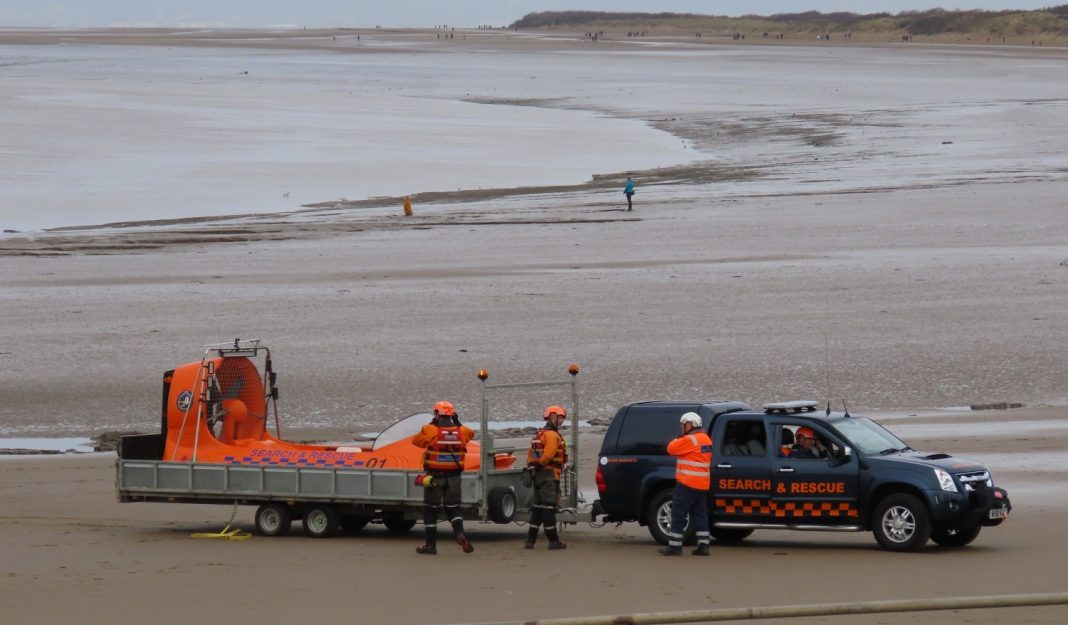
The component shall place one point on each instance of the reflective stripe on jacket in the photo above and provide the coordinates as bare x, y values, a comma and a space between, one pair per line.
445, 447
548, 449
693, 460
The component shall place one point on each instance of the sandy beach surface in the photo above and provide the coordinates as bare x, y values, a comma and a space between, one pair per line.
876, 223
72, 552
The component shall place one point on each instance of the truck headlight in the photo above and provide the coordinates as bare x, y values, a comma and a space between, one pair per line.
945, 480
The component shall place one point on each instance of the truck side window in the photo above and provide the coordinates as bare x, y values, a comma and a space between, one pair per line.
788, 441
744, 438
648, 429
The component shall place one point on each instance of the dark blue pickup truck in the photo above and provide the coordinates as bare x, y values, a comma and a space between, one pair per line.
868, 479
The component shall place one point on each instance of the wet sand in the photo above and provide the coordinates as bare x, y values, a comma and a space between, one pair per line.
899, 300
72, 552
931, 280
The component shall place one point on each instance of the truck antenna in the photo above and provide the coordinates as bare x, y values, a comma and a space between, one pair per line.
847, 415
827, 369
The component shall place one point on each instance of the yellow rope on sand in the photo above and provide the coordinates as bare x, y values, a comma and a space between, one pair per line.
226, 533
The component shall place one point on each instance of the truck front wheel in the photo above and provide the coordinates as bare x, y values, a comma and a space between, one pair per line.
273, 519
901, 523
955, 538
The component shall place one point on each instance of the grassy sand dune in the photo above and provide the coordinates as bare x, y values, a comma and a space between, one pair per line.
935, 25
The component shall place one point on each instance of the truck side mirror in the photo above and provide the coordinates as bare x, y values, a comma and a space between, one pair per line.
843, 457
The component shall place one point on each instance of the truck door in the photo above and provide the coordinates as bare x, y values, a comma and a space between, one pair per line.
741, 471
810, 491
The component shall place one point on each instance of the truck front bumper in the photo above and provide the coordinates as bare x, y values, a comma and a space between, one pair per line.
954, 511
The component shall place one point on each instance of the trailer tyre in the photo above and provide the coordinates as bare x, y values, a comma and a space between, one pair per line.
353, 524
321, 521
397, 524
501, 505
273, 519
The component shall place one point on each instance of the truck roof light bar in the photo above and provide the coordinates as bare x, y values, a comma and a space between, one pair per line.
802, 405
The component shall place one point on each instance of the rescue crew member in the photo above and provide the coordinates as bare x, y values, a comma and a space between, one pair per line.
808, 446
693, 478
445, 441
545, 460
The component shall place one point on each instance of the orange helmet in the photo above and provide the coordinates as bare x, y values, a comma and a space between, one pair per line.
445, 409
803, 432
551, 410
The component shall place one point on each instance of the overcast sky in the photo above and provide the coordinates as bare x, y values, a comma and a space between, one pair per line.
418, 13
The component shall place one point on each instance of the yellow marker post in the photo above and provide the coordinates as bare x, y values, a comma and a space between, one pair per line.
407, 206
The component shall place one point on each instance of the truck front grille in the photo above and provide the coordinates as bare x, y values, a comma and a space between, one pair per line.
975, 479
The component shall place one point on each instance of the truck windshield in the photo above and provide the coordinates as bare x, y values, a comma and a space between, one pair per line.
869, 437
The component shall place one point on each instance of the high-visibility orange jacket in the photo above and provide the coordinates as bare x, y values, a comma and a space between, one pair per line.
445, 446
548, 449
693, 459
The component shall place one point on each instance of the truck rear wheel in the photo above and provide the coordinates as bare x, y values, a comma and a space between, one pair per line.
321, 521
955, 538
273, 519
658, 518
901, 523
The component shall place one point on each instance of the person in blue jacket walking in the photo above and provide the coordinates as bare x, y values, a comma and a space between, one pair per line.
629, 192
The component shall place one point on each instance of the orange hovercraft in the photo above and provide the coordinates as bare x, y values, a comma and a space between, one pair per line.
216, 411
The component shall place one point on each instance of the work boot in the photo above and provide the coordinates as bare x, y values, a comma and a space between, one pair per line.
554, 538
702, 550
461, 540
431, 546
670, 551
532, 537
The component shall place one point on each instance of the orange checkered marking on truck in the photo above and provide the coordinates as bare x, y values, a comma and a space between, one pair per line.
789, 509
741, 506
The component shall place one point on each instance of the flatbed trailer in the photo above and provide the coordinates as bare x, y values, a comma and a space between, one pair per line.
330, 498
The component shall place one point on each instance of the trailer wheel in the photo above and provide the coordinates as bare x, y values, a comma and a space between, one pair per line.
397, 524
273, 519
321, 521
501, 505
353, 524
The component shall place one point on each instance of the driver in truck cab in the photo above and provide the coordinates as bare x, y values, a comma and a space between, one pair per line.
808, 446
445, 442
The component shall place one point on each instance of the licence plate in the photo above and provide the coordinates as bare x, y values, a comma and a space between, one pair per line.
999, 513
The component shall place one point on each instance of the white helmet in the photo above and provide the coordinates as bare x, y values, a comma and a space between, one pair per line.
692, 418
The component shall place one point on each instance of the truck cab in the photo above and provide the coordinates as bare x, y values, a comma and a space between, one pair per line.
847, 474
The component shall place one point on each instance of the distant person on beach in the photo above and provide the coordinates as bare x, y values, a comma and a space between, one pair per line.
629, 192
